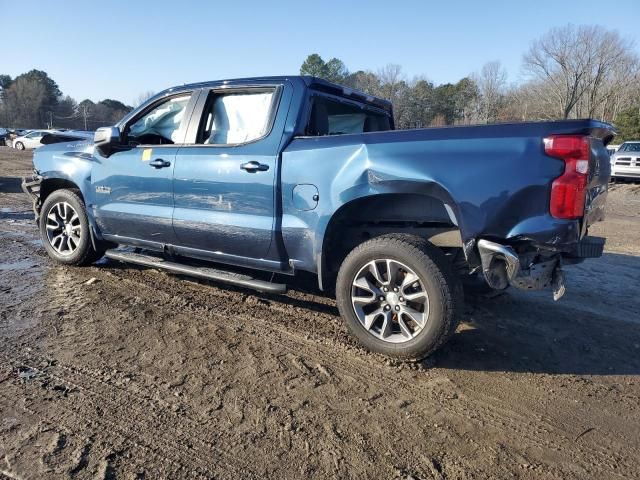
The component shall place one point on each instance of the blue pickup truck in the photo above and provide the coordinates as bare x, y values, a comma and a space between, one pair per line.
274, 176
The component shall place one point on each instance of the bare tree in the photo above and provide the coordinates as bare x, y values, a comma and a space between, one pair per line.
491, 83
23, 102
143, 97
616, 93
574, 64
364, 81
391, 81
394, 87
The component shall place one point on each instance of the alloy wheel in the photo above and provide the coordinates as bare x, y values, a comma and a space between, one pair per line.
64, 230
390, 300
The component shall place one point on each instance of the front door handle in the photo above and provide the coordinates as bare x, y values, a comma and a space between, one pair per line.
159, 163
254, 166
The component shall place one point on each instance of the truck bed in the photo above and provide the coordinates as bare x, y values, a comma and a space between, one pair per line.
493, 179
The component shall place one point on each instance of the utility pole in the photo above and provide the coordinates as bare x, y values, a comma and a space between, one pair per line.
50, 127
85, 115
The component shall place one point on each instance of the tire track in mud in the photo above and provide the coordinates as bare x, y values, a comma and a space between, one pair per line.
483, 416
483, 410
350, 362
120, 407
292, 360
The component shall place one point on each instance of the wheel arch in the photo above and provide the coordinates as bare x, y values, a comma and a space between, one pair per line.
429, 215
50, 185
85, 250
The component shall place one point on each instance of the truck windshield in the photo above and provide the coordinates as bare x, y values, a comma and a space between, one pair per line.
333, 117
630, 147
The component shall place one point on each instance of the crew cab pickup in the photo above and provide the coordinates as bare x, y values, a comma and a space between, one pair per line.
252, 181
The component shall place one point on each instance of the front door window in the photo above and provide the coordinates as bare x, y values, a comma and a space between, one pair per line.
161, 125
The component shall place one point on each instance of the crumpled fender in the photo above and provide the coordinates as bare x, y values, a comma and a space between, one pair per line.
71, 162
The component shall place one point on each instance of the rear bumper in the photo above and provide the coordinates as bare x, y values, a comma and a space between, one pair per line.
502, 266
588, 247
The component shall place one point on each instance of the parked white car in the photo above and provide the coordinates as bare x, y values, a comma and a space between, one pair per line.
29, 141
625, 163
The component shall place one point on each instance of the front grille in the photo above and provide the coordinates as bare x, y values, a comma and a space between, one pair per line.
623, 161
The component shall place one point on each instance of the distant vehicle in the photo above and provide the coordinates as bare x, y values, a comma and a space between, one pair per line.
18, 132
625, 163
29, 141
612, 149
295, 174
4, 134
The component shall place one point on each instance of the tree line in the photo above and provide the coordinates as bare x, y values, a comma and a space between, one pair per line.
34, 100
570, 72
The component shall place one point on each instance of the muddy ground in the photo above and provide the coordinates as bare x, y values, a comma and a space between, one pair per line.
118, 372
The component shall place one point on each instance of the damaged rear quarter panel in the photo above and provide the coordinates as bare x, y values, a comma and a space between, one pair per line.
495, 179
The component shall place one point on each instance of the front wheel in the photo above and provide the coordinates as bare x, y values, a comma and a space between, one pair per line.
398, 296
20, 145
64, 229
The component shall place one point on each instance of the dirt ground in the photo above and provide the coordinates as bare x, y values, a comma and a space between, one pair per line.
113, 371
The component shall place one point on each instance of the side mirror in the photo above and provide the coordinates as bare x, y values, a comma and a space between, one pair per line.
106, 138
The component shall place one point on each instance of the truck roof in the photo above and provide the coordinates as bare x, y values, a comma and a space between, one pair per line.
315, 83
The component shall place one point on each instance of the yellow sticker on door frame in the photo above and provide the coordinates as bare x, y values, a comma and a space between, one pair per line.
146, 154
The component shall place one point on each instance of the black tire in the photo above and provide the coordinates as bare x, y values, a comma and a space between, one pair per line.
442, 287
19, 146
84, 253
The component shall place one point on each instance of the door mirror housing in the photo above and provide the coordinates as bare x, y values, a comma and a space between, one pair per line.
106, 138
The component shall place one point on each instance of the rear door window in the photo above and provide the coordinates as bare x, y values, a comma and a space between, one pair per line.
233, 118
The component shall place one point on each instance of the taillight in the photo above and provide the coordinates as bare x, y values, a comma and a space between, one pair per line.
569, 190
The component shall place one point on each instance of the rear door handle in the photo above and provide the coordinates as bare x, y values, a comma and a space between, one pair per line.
254, 166
159, 163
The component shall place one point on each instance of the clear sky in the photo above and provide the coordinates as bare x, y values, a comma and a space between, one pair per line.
119, 49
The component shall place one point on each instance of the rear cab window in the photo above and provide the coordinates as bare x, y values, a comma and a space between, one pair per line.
331, 115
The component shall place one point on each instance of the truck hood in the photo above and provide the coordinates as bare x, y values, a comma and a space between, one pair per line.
71, 146
63, 158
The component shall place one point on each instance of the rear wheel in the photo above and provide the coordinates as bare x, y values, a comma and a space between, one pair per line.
20, 145
398, 296
64, 229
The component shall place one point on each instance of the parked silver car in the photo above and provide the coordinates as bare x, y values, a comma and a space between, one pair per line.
625, 163
30, 140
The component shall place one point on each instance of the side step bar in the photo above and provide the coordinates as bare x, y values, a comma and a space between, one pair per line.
206, 273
